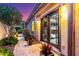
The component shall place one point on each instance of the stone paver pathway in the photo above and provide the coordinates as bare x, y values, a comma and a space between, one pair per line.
22, 49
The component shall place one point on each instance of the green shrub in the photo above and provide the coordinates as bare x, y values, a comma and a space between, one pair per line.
26, 33
5, 52
8, 41
18, 29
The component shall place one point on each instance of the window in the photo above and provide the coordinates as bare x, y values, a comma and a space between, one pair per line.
44, 29
50, 29
54, 28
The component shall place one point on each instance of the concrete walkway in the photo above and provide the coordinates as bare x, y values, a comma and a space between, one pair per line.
22, 49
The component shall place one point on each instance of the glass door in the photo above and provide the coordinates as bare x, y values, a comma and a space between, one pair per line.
44, 29
54, 28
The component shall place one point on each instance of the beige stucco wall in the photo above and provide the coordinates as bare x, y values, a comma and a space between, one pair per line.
63, 26
38, 27
76, 18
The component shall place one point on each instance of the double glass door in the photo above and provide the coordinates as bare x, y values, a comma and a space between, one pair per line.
49, 29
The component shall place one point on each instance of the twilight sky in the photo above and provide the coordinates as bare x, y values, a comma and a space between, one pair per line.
24, 8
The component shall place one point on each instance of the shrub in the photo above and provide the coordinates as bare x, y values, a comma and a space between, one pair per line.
5, 52
18, 29
8, 41
26, 33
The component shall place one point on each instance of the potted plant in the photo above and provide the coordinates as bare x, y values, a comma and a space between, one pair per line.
46, 50
26, 34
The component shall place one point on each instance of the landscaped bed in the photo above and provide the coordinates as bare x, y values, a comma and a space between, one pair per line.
5, 52
7, 46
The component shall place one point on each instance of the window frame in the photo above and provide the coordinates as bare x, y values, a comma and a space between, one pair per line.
59, 42
43, 28
48, 31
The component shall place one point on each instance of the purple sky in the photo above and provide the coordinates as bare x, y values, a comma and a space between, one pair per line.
24, 8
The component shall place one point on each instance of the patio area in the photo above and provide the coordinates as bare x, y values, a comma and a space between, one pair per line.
23, 49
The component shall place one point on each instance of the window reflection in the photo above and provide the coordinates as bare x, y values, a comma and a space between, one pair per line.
44, 29
54, 28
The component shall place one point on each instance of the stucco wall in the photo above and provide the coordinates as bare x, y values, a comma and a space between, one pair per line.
76, 15
37, 28
63, 19
29, 26
63, 26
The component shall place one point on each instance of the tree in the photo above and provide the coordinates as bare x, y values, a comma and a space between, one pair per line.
9, 16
